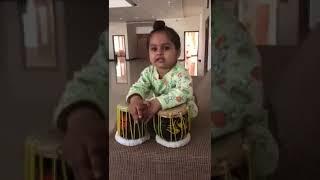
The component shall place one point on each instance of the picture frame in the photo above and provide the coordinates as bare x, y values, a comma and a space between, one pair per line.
38, 28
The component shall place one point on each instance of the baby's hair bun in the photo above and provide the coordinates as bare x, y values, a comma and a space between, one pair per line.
159, 25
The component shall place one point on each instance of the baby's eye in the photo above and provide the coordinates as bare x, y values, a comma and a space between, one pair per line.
166, 47
153, 49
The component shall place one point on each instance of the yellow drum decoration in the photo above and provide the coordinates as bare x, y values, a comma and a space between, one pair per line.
173, 126
43, 158
130, 132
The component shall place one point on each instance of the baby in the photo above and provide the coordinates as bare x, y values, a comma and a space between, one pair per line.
170, 83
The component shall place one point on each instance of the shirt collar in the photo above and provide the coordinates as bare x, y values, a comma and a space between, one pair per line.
156, 74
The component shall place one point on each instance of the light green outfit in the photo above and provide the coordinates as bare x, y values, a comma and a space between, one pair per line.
173, 89
236, 91
87, 88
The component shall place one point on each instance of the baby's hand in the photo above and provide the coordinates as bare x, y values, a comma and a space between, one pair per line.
137, 108
153, 107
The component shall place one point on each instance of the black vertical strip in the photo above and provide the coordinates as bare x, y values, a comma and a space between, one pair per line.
304, 14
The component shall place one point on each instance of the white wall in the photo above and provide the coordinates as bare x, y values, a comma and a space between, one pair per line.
183, 24
117, 28
144, 30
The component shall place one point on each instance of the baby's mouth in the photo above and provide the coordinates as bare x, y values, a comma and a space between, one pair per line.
160, 60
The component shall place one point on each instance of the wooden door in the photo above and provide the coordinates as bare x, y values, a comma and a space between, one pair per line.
142, 51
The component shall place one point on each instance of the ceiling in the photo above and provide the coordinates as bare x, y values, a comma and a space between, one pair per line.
156, 9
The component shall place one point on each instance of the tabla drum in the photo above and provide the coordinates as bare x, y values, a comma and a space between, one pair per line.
172, 126
43, 158
130, 132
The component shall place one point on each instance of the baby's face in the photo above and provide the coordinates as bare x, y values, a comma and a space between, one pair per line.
162, 52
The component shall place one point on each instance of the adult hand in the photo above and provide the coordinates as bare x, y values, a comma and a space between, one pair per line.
137, 107
85, 144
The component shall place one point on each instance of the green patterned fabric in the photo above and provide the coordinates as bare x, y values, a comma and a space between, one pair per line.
173, 89
88, 86
236, 87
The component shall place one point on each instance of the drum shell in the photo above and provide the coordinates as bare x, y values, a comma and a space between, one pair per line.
127, 127
172, 128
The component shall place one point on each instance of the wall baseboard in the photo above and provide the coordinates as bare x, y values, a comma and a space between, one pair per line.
132, 59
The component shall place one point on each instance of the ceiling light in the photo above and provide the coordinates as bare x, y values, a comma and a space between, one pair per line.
121, 3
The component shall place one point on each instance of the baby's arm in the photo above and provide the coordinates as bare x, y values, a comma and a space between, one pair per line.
137, 93
182, 91
88, 88
141, 87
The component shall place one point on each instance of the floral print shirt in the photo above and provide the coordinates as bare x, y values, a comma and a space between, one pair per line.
173, 89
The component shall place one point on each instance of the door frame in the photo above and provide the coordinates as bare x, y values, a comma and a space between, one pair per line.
206, 42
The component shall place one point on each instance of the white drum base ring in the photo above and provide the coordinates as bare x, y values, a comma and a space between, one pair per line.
175, 144
131, 142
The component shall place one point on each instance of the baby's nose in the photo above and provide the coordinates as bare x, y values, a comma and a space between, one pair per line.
160, 50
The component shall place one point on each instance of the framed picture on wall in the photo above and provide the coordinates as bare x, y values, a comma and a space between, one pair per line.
38, 29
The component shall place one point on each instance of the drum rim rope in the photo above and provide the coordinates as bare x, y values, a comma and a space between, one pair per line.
164, 113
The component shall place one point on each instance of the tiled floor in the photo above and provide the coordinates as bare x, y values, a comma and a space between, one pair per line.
118, 90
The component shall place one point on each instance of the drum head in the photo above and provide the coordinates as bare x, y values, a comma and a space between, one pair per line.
123, 108
174, 112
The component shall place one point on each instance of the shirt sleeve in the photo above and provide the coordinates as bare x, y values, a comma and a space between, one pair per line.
87, 88
181, 92
142, 86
